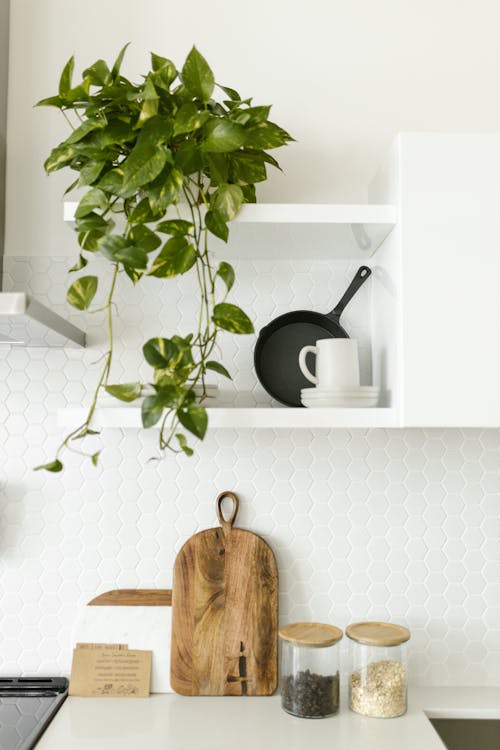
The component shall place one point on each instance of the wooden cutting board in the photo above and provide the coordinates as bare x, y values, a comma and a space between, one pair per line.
224, 612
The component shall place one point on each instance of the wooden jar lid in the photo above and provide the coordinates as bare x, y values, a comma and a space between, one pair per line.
315, 634
377, 633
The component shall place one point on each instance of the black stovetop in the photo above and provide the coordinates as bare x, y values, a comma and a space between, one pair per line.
27, 705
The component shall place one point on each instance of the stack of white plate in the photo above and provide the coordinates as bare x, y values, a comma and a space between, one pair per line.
361, 397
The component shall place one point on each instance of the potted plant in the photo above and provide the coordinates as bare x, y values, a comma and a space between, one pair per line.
140, 150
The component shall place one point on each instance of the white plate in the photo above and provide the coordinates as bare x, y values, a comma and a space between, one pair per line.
338, 402
364, 390
351, 396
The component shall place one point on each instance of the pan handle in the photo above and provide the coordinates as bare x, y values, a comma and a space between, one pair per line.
361, 276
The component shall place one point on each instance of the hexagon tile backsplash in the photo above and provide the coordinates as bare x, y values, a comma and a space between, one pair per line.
390, 524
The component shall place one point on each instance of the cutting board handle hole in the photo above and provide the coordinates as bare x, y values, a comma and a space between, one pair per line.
227, 498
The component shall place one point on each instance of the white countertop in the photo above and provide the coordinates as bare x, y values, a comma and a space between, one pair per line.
179, 723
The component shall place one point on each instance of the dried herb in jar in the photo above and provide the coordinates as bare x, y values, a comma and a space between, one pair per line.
309, 695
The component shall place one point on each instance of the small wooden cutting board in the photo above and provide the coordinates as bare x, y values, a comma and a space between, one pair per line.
224, 612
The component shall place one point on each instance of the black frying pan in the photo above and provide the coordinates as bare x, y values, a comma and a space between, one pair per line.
276, 355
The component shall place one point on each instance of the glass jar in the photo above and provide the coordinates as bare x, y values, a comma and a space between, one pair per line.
310, 669
378, 675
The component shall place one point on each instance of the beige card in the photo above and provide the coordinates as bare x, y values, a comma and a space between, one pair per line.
111, 670
103, 646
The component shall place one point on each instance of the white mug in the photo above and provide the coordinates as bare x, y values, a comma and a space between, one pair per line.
337, 363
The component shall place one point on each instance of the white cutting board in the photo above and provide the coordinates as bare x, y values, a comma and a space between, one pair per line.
148, 628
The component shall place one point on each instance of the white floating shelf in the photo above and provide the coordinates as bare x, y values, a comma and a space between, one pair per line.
129, 417
284, 231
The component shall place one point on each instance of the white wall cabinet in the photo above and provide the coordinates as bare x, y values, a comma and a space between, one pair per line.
447, 187
432, 238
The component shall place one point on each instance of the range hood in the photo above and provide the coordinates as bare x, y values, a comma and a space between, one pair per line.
26, 322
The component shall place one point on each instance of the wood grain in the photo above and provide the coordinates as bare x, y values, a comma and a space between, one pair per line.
225, 613
134, 598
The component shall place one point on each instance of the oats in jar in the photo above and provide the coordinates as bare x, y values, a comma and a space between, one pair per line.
379, 689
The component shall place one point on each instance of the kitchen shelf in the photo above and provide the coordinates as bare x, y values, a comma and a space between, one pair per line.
292, 231
129, 417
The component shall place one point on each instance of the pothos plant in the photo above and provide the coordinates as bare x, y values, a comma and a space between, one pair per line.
141, 150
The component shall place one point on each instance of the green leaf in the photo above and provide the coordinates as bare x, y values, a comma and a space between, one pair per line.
217, 367
144, 238
165, 189
116, 132
133, 275
98, 73
189, 158
160, 353
215, 223
53, 466
150, 102
89, 240
197, 76
115, 70
232, 94
194, 418
95, 198
176, 227
232, 318
51, 101
82, 292
145, 162
66, 76
92, 221
78, 95
266, 135
90, 172
149, 156
252, 115
225, 136
165, 72
227, 200
248, 167
151, 411
127, 392
71, 187
95, 458
249, 194
112, 182
183, 444
189, 118
59, 157
226, 273
81, 263
84, 129
157, 61
164, 76
218, 168
120, 250
177, 257
142, 213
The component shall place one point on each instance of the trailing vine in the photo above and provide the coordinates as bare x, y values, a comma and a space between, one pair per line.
141, 152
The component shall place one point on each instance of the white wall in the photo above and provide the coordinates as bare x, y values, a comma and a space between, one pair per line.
399, 525
4, 64
343, 75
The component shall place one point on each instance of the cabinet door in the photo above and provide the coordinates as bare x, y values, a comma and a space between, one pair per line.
450, 279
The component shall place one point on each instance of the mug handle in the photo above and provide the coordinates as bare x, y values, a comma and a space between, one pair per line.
302, 363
